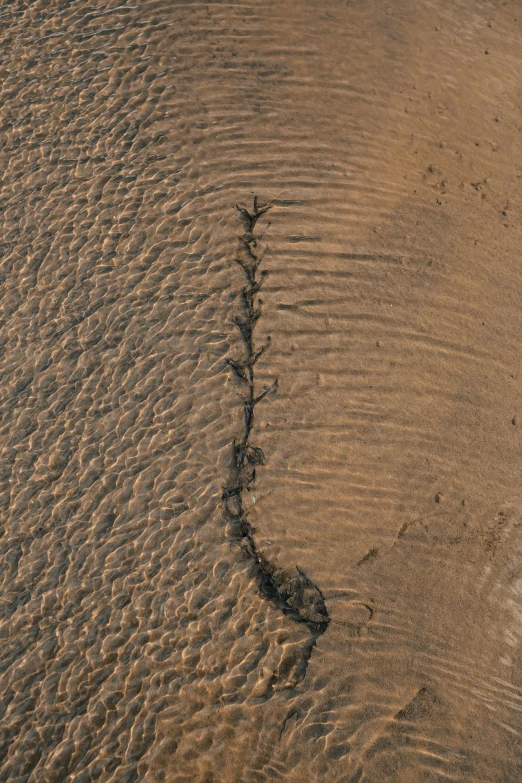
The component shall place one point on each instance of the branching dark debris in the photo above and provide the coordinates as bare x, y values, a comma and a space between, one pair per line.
293, 594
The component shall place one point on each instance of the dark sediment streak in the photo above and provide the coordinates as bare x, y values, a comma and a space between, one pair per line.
294, 595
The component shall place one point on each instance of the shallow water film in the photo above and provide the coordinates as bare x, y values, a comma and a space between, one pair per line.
261, 413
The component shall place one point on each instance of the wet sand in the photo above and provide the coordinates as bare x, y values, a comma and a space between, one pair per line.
138, 643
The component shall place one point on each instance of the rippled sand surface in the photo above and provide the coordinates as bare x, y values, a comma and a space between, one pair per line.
135, 643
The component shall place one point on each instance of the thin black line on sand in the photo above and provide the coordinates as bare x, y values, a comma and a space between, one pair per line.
295, 595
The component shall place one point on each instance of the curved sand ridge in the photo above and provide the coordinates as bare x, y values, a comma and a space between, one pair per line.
135, 642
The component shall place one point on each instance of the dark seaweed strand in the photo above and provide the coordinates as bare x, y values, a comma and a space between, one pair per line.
295, 595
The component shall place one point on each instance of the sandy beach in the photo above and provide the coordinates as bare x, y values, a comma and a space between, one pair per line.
261, 467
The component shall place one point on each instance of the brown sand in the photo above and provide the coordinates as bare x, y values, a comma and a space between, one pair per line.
136, 643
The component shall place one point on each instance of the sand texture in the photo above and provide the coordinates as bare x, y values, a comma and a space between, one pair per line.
224, 566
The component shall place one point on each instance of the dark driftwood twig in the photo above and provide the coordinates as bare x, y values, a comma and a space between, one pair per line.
295, 595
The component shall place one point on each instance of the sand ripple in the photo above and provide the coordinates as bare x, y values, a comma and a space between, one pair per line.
135, 644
